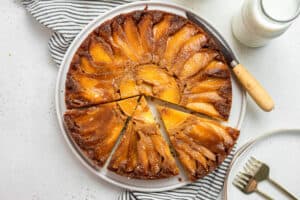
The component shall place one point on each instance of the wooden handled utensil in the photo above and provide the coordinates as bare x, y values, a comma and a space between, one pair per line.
251, 85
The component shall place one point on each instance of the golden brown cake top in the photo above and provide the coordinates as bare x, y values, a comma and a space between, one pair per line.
96, 129
151, 53
201, 144
142, 152
155, 54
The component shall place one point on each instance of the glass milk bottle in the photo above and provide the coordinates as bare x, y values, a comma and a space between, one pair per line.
259, 21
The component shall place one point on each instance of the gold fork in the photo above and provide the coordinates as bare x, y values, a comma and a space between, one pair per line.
248, 185
261, 171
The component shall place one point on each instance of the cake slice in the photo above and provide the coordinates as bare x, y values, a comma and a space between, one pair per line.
142, 152
96, 129
201, 144
89, 84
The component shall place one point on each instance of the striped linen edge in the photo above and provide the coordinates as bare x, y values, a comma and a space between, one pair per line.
66, 18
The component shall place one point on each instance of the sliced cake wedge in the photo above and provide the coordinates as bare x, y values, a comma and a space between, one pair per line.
142, 152
201, 144
96, 129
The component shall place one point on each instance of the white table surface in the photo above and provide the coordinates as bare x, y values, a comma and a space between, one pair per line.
37, 164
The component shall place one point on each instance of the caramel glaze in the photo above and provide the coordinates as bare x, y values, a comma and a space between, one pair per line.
201, 144
156, 54
117, 48
96, 129
142, 152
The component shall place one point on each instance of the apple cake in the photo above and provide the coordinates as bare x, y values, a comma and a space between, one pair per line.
142, 152
150, 53
96, 129
201, 144
158, 55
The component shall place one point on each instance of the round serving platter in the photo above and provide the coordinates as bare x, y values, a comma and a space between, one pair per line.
280, 150
235, 120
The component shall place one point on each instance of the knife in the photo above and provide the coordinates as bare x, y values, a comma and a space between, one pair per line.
251, 85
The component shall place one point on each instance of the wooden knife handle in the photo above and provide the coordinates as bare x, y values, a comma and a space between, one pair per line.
254, 88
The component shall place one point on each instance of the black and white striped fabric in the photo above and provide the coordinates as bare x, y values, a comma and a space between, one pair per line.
66, 18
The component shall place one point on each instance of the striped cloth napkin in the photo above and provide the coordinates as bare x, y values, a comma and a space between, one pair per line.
67, 18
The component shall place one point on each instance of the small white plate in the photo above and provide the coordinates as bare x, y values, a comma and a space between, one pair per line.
281, 151
236, 115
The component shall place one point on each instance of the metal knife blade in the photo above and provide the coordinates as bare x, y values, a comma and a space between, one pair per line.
224, 46
252, 86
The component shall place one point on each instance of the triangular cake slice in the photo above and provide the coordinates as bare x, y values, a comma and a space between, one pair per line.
89, 84
142, 152
201, 144
96, 129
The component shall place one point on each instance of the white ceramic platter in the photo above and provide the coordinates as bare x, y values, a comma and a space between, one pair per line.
280, 150
236, 116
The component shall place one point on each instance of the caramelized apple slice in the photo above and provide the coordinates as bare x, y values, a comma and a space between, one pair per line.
193, 153
128, 106
100, 51
128, 86
143, 113
120, 40
152, 74
188, 163
192, 46
83, 90
161, 147
146, 34
103, 71
175, 43
132, 156
96, 129
171, 118
189, 139
201, 144
161, 84
119, 56
162, 30
209, 91
87, 66
205, 108
195, 63
133, 37
216, 69
208, 85
142, 152
205, 97
120, 156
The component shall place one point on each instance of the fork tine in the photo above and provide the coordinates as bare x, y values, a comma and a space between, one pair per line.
238, 185
250, 168
242, 181
246, 169
257, 161
254, 162
247, 175
236, 181
244, 177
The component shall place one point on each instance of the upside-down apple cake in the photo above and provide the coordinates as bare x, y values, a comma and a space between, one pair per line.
159, 55
142, 152
201, 144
